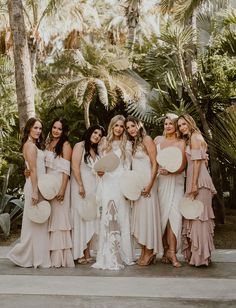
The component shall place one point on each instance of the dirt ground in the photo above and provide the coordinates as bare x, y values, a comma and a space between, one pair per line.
225, 234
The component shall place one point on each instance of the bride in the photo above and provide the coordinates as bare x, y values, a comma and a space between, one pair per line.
114, 248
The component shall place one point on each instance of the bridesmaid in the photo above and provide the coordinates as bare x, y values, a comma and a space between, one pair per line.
197, 234
115, 247
58, 155
170, 188
83, 185
146, 222
33, 249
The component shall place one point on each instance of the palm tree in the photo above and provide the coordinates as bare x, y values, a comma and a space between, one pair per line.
93, 75
23, 76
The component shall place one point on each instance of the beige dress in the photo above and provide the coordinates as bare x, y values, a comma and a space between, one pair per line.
170, 190
197, 234
60, 221
33, 249
83, 231
146, 221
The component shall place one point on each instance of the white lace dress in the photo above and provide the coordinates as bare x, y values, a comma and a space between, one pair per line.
115, 245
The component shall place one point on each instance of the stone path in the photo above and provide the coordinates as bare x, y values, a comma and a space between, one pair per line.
158, 285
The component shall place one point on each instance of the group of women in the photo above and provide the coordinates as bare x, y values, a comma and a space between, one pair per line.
153, 221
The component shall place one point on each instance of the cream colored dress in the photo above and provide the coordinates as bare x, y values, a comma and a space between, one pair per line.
170, 190
115, 245
146, 220
33, 249
83, 231
60, 221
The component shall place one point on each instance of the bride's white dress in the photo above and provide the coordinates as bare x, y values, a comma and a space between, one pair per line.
115, 244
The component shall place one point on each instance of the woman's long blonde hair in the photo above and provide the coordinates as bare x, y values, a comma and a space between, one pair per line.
138, 140
191, 125
110, 136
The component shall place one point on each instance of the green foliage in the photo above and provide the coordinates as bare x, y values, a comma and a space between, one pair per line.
11, 206
219, 74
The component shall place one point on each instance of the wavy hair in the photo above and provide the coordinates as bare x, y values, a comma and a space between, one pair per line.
137, 140
191, 125
26, 132
110, 136
64, 136
88, 145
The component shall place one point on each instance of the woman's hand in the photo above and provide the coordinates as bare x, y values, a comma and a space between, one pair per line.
35, 197
163, 171
60, 195
146, 192
27, 172
81, 191
100, 173
194, 191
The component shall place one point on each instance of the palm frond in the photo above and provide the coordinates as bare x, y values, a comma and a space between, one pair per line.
102, 92
225, 135
178, 37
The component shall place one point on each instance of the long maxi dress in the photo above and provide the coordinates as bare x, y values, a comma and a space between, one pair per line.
33, 249
197, 234
170, 190
115, 245
146, 220
60, 220
83, 231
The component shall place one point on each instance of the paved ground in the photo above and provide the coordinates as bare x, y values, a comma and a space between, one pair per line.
158, 285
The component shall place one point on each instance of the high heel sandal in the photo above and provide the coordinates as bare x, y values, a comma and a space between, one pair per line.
151, 260
164, 258
171, 256
82, 261
90, 260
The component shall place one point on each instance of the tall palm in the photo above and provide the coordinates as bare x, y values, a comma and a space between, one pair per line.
23, 76
132, 15
95, 75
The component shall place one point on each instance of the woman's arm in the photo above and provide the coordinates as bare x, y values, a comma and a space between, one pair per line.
30, 154
196, 143
66, 154
76, 161
152, 153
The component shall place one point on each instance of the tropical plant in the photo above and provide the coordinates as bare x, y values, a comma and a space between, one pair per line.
95, 74
11, 207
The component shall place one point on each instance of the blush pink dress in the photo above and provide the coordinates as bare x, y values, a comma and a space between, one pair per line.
33, 249
197, 234
60, 220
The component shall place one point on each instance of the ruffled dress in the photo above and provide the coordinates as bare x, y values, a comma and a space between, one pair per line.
83, 231
146, 219
33, 249
60, 220
197, 234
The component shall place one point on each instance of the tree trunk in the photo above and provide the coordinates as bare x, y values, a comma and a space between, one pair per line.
23, 75
86, 115
132, 16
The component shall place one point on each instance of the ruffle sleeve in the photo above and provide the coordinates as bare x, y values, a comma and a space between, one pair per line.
198, 154
57, 163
